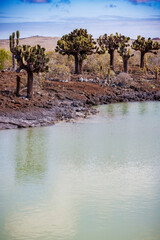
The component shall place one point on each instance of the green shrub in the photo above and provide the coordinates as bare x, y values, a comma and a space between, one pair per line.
4, 58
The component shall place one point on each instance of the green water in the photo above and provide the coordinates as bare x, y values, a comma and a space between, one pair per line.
97, 179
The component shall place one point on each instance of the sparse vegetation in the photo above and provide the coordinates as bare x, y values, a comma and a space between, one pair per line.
63, 65
97, 68
97, 64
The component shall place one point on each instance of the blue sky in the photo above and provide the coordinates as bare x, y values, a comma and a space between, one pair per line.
58, 17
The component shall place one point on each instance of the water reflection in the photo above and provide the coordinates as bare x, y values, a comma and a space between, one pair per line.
30, 155
90, 202
143, 107
112, 109
124, 108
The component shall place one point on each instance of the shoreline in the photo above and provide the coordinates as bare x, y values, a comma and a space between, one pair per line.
43, 117
62, 113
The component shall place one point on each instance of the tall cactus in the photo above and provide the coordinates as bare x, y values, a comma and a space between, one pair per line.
32, 60
145, 46
111, 43
125, 53
78, 43
12, 46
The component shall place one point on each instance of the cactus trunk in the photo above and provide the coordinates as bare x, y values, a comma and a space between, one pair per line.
125, 65
18, 86
76, 64
13, 62
112, 59
142, 59
80, 66
30, 84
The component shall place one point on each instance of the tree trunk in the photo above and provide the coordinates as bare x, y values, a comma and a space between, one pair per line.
80, 66
30, 84
125, 65
18, 86
142, 59
76, 64
112, 60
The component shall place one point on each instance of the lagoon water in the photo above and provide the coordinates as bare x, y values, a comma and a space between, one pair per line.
96, 179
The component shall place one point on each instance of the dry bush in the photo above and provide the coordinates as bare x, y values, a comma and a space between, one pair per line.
60, 67
118, 62
59, 72
123, 79
97, 64
135, 60
112, 73
58, 59
153, 61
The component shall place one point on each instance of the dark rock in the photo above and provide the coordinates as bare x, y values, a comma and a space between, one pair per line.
157, 96
31, 118
90, 102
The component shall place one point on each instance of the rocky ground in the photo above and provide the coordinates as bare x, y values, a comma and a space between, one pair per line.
55, 101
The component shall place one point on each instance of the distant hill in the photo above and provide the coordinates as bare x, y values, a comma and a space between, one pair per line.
49, 43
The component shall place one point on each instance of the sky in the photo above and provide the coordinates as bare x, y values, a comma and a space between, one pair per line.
59, 17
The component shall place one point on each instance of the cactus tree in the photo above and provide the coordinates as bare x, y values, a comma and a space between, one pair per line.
12, 46
125, 53
32, 60
77, 43
111, 43
145, 46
